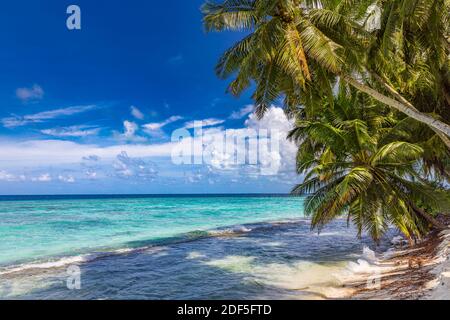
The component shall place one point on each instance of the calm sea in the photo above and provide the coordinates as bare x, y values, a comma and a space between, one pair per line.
168, 247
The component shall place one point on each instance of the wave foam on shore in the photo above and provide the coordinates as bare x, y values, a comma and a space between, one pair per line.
59, 262
406, 273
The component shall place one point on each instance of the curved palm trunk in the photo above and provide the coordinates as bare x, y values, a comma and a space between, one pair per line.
429, 218
444, 138
413, 113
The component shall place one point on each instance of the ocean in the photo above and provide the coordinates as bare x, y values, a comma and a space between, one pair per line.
169, 247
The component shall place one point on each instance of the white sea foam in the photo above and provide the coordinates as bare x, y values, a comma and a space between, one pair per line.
65, 261
195, 255
45, 265
361, 266
232, 230
369, 255
296, 280
367, 263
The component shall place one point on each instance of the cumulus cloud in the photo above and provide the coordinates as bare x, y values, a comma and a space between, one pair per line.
275, 120
132, 163
135, 112
204, 123
260, 148
126, 168
33, 93
91, 174
203, 174
241, 113
9, 177
130, 129
72, 131
91, 163
16, 121
6, 176
66, 178
45, 177
129, 134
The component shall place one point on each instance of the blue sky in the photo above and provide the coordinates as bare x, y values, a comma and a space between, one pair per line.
92, 110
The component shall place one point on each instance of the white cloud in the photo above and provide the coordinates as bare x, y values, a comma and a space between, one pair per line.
275, 119
30, 94
93, 158
239, 114
135, 112
205, 123
9, 177
67, 179
35, 153
154, 126
126, 167
16, 121
5, 176
91, 174
274, 160
45, 177
130, 129
72, 131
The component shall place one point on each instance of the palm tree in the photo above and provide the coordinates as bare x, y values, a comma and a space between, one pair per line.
355, 168
411, 49
298, 48
408, 55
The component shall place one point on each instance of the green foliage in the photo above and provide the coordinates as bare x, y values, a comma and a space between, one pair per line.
295, 48
361, 159
353, 169
285, 53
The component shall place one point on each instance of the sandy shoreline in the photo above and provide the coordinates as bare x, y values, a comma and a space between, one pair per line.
406, 273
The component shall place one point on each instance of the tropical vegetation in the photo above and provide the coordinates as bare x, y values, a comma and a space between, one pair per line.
368, 85
356, 166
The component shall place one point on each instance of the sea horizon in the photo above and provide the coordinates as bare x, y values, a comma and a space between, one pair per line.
12, 197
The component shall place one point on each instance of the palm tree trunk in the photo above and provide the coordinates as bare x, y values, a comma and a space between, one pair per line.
429, 218
402, 99
413, 113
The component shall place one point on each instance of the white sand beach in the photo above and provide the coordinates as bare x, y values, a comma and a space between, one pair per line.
405, 273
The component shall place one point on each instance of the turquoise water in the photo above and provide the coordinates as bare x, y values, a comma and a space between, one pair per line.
50, 227
178, 247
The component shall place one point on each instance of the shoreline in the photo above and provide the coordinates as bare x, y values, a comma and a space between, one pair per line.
402, 272
280, 257
58, 261
420, 272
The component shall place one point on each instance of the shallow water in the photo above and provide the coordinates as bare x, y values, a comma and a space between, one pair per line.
239, 258
43, 228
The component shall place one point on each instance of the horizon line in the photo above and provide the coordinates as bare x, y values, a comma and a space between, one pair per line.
144, 194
